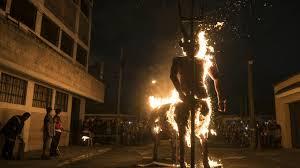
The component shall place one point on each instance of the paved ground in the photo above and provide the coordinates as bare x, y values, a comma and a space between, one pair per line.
132, 156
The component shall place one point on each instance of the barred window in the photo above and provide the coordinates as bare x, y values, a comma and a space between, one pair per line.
12, 89
24, 11
81, 55
3, 4
42, 96
50, 30
67, 43
61, 101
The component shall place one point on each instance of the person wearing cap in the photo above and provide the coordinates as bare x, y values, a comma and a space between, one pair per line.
58, 129
11, 130
48, 133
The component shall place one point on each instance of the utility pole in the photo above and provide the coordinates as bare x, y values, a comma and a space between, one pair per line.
119, 96
250, 53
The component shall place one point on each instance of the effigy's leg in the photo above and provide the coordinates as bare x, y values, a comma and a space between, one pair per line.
173, 147
205, 153
182, 113
155, 148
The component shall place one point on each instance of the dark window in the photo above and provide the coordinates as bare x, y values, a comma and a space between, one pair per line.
81, 55
85, 7
83, 29
24, 11
61, 101
67, 43
50, 30
65, 10
12, 89
42, 96
3, 4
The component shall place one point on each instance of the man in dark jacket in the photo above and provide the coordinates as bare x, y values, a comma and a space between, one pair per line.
48, 133
11, 130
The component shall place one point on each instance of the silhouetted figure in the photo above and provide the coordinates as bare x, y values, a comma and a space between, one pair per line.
48, 133
11, 130
186, 75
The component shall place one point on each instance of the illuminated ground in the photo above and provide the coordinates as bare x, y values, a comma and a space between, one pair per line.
122, 157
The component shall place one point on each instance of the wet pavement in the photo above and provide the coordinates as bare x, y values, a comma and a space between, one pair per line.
134, 156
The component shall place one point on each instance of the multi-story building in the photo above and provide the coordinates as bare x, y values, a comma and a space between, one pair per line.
287, 105
44, 50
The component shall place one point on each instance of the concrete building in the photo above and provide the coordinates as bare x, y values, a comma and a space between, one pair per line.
44, 50
287, 104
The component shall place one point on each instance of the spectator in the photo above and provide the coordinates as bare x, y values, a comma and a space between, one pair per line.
58, 129
48, 133
11, 130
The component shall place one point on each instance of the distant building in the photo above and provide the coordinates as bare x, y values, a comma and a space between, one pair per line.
44, 50
287, 104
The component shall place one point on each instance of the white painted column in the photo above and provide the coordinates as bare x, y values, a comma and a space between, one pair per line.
8, 6
28, 105
69, 116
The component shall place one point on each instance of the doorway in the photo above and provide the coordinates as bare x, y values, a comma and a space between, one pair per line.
295, 123
75, 123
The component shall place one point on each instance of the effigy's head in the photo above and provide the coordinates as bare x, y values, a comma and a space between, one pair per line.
189, 45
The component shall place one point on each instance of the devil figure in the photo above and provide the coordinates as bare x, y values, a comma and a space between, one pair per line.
186, 75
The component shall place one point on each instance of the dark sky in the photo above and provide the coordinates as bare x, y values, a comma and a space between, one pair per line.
148, 32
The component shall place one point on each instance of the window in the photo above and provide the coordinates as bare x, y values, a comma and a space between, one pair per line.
61, 101
42, 96
81, 55
83, 29
50, 30
67, 43
24, 11
12, 89
65, 10
85, 8
3, 4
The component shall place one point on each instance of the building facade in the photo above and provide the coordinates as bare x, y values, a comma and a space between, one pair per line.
287, 104
44, 50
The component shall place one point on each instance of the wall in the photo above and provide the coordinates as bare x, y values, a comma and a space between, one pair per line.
282, 101
26, 54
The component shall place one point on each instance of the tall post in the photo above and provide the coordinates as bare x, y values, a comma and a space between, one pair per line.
252, 117
251, 105
194, 82
119, 97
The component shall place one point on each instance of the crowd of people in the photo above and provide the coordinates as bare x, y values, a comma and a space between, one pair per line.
13, 140
238, 133
130, 132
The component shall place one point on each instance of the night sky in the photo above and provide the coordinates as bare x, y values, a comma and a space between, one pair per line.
148, 32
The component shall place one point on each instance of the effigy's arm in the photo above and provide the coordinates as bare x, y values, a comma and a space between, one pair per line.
174, 77
213, 73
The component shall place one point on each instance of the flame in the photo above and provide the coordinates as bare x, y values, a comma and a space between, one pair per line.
156, 102
213, 163
219, 25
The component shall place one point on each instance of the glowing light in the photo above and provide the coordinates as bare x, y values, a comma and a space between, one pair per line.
219, 25
213, 132
84, 138
213, 163
157, 129
153, 81
156, 102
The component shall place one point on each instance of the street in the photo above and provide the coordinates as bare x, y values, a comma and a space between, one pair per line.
140, 156
229, 157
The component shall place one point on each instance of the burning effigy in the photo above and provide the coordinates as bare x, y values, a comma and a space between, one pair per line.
188, 97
